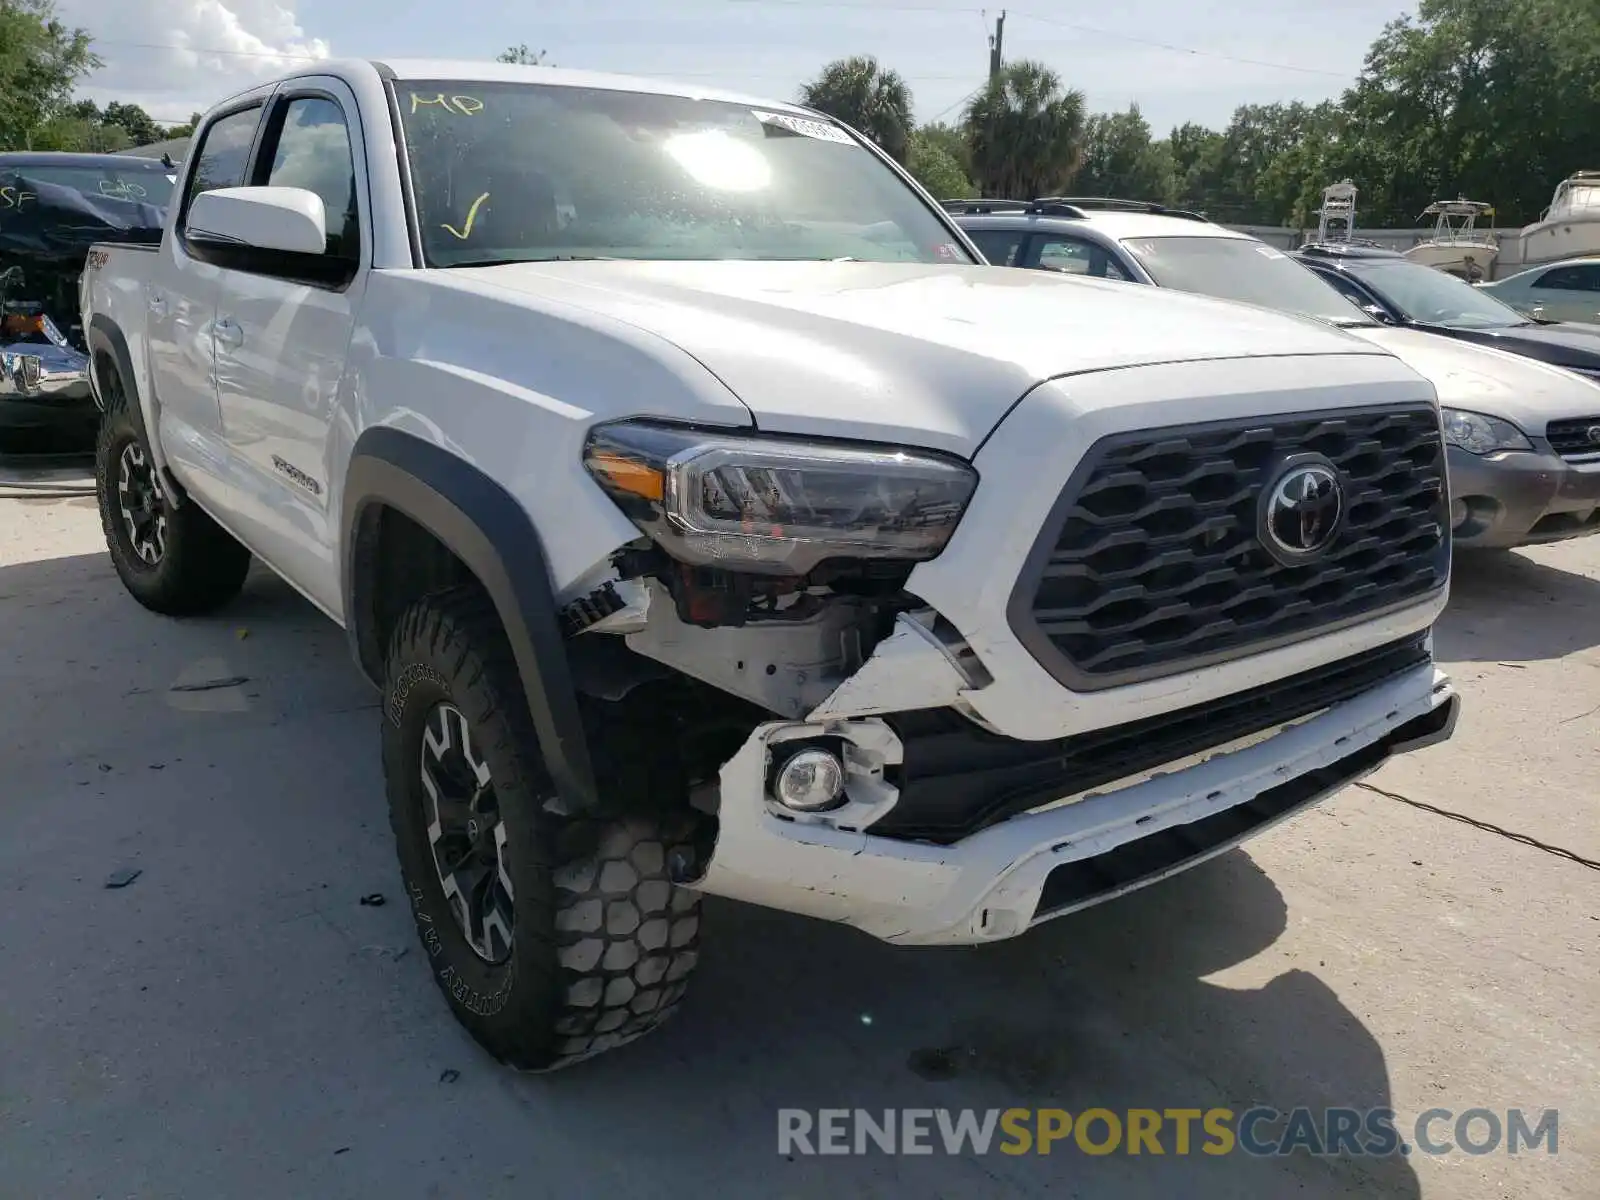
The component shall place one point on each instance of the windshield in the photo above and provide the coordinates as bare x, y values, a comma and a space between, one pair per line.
1432, 297
144, 186
523, 172
1243, 269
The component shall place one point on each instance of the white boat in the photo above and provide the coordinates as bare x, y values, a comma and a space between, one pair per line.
1569, 228
1336, 219
1458, 246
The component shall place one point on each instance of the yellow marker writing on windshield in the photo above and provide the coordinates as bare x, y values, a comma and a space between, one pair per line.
472, 215
467, 106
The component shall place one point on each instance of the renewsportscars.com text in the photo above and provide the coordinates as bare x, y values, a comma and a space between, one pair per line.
1258, 1132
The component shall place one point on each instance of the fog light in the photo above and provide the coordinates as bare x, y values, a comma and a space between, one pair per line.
809, 780
1459, 512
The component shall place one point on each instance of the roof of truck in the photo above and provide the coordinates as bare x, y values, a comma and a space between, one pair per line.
475, 71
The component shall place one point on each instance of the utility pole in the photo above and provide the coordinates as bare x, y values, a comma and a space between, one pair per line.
996, 45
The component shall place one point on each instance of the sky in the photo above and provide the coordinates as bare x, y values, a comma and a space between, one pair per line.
1180, 60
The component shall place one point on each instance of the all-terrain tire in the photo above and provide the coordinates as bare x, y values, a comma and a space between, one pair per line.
601, 942
183, 563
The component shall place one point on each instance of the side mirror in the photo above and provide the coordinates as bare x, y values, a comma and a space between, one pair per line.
286, 219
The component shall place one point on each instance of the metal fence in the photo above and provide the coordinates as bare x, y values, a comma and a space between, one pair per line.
1389, 239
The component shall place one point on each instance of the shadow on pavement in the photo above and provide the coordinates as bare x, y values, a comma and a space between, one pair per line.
236, 1016
1508, 608
1108, 1008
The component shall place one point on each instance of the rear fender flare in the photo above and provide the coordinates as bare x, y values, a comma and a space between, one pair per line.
104, 337
485, 527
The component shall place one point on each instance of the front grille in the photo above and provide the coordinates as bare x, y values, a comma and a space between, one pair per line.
956, 779
1152, 562
1575, 438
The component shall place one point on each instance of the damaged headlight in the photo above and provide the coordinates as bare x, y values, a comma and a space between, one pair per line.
777, 505
1480, 434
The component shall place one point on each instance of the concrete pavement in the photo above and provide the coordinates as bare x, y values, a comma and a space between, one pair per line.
233, 1023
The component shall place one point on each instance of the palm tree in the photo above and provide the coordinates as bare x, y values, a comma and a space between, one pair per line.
1026, 132
866, 97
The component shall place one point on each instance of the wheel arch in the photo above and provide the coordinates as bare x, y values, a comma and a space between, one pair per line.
105, 340
488, 533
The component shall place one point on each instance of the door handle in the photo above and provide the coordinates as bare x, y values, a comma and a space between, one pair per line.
158, 306
229, 333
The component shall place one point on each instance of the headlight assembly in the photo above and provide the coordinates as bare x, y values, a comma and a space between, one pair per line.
777, 506
1480, 434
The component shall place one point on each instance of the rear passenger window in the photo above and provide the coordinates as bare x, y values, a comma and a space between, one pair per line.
999, 246
314, 153
224, 150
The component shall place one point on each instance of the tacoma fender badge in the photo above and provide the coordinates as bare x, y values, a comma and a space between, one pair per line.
297, 475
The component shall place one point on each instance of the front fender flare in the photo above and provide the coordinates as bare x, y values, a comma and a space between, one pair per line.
488, 530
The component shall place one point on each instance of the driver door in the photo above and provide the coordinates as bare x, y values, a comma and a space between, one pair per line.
283, 335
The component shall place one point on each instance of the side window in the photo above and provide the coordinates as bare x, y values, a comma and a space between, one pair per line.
1570, 279
999, 246
1074, 257
1343, 286
314, 153
1066, 254
221, 157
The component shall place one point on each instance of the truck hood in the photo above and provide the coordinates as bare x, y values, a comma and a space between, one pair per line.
934, 355
1481, 379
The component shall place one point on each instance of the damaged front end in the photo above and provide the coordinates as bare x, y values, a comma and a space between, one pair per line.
768, 585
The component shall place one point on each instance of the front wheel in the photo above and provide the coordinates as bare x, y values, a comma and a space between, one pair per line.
174, 560
553, 938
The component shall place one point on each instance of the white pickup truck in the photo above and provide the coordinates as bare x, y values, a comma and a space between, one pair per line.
714, 520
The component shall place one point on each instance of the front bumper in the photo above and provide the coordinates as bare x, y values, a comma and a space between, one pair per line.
44, 386
1051, 861
1521, 498
983, 792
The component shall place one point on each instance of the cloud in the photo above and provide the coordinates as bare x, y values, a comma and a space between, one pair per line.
175, 57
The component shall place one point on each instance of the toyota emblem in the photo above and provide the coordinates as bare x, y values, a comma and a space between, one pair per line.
1303, 511
1593, 434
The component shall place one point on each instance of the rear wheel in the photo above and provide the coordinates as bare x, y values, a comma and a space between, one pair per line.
174, 560
552, 937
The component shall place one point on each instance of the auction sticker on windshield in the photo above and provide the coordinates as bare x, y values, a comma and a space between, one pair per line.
820, 130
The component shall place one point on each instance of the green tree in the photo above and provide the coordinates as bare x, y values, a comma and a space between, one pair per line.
184, 130
521, 54
41, 58
1025, 132
936, 168
1495, 99
952, 139
1119, 159
871, 99
141, 126
75, 135
1196, 154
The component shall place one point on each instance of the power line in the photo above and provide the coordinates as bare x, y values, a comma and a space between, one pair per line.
1189, 50
948, 109
855, 5
1077, 27
207, 50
